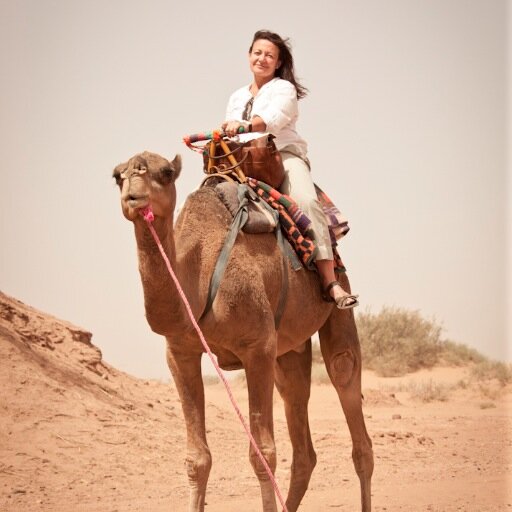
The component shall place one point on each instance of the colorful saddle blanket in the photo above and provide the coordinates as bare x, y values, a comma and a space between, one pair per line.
295, 224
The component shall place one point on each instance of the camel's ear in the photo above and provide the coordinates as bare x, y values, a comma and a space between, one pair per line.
176, 166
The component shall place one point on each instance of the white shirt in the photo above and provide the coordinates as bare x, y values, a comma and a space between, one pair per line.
276, 103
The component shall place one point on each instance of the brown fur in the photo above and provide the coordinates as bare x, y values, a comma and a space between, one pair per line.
240, 327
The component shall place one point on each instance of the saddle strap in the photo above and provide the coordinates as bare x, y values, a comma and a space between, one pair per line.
239, 220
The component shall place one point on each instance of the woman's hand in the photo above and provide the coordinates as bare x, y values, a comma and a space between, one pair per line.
232, 128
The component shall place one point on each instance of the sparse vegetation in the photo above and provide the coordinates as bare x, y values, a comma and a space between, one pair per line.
458, 354
318, 372
487, 370
429, 391
397, 341
210, 380
424, 391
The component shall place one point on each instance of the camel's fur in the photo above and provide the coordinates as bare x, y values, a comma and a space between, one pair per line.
240, 327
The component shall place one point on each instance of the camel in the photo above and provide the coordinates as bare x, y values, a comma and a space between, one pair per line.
240, 327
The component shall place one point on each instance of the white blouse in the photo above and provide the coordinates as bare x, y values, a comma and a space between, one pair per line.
276, 103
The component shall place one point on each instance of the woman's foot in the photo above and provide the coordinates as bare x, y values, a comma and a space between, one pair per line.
333, 292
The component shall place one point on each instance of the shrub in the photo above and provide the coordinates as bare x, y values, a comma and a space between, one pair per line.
319, 374
492, 370
429, 391
397, 341
458, 354
210, 380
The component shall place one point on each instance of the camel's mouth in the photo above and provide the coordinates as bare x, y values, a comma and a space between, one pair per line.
137, 203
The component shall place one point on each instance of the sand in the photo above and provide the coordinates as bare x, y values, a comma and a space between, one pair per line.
77, 434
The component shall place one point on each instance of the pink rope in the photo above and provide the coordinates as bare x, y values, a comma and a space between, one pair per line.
149, 217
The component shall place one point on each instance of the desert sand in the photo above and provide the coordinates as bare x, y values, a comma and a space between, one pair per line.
78, 434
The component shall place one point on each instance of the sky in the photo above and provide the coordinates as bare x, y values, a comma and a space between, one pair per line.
406, 122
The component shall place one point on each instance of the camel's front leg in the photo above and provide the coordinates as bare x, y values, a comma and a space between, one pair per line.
293, 380
259, 370
186, 371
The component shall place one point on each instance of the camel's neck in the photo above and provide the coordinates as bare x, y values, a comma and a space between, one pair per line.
164, 309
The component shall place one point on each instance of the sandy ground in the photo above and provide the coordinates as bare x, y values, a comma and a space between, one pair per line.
77, 434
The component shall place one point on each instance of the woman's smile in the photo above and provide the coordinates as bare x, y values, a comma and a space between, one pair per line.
264, 60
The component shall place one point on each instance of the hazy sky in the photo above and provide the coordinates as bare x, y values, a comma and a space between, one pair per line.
406, 122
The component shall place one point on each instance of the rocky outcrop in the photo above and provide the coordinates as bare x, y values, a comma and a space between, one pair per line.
42, 333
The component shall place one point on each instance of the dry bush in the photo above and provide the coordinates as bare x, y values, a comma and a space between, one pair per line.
424, 391
429, 391
458, 354
397, 341
492, 371
316, 353
319, 374
210, 380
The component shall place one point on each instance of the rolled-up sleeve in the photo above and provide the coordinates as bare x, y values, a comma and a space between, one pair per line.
281, 108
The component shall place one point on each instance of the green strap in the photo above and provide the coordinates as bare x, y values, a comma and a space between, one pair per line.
239, 220
238, 223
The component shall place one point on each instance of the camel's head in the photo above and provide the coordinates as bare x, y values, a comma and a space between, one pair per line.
148, 179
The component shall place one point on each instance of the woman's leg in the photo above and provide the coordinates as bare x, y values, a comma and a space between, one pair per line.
299, 185
342, 298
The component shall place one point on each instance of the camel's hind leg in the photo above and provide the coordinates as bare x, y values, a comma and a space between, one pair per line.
342, 355
293, 381
186, 371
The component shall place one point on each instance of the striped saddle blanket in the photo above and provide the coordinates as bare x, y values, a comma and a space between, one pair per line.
293, 222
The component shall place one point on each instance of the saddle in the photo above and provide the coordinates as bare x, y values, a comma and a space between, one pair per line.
257, 158
260, 217
247, 188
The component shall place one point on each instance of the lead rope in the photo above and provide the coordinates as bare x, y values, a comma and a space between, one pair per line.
147, 214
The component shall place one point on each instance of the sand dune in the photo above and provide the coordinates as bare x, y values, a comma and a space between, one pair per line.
77, 434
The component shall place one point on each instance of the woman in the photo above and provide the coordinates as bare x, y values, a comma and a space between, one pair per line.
270, 104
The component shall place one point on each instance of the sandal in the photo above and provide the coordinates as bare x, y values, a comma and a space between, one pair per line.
347, 301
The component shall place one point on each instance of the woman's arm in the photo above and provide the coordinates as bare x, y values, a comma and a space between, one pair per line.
256, 124
271, 113
281, 109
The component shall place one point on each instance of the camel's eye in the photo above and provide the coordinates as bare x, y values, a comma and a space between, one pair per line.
166, 173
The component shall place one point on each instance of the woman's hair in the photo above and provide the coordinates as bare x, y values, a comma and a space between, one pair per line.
285, 70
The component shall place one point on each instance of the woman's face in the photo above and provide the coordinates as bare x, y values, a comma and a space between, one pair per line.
264, 59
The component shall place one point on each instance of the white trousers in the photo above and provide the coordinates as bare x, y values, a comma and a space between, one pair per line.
298, 184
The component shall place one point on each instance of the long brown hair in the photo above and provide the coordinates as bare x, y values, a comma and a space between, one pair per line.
285, 70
